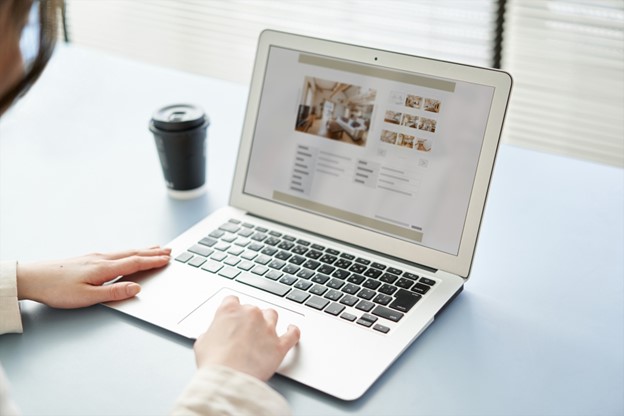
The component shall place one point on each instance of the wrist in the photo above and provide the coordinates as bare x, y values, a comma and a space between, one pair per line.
25, 286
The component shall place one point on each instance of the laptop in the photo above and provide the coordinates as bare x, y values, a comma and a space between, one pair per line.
355, 207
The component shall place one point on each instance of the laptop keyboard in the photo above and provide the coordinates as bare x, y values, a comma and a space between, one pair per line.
346, 286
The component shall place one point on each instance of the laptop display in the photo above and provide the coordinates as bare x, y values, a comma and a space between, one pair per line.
385, 150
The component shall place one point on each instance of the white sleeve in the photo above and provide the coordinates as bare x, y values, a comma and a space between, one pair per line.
223, 391
10, 318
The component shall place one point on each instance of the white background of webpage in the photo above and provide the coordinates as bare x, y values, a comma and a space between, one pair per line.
436, 197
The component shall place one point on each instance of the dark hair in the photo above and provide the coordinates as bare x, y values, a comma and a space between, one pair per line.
48, 10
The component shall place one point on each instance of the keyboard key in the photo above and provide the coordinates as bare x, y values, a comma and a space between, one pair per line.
303, 242
229, 238
318, 247
247, 225
371, 284
388, 278
362, 261
283, 255
356, 278
207, 241
260, 270
249, 255
245, 265
305, 274
234, 221
332, 251
212, 266
262, 259
311, 264
298, 296
299, 249
221, 246
381, 328
349, 300
296, 260
184, 257
216, 234
351, 289
404, 300
275, 234
274, 275
318, 290
333, 294
320, 278
285, 245
347, 256
235, 251
418, 288
357, 268
269, 251
365, 305
245, 232
378, 266
196, 261
366, 294
231, 260
334, 309
341, 274
259, 236
326, 269
364, 322
290, 269
201, 250
387, 313
343, 264
369, 318
349, 317
261, 229
255, 246
427, 281
230, 227
288, 280
242, 242
335, 283
313, 254
218, 256
411, 276
317, 303
374, 273
328, 259
229, 272
263, 284
387, 289
382, 299
303, 284
276, 264
289, 238
272, 241
404, 283
394, 270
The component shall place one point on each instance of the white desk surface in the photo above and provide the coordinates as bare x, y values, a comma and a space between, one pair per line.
539, 329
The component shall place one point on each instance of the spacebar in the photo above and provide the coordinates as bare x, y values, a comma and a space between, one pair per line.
263, 283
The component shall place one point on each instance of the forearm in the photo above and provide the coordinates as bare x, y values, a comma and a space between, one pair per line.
220, 390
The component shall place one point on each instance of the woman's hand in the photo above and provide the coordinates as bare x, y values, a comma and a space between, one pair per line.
243, 337
78, 282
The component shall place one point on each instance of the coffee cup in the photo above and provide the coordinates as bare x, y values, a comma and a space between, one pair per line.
180, 132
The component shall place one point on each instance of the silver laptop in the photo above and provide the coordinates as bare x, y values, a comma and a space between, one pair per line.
354, 212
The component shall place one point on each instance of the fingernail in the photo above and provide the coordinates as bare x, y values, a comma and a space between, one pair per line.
132, 289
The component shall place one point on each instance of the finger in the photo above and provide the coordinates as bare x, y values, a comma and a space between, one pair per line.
290, 338
229, 302
270, 315
112, 292
132, 264
148, 252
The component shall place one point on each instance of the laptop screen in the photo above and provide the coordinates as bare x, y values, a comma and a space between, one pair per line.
385, 150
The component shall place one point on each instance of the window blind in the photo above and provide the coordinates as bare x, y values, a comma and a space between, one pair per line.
567, 60
218, 37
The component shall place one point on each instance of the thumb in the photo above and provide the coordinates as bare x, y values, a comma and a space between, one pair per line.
115, 291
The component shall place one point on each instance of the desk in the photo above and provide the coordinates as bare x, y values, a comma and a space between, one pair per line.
539, 329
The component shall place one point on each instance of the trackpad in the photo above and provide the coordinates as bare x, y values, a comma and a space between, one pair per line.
198, 321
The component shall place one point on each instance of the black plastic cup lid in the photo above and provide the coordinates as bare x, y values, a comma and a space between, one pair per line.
179, 117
